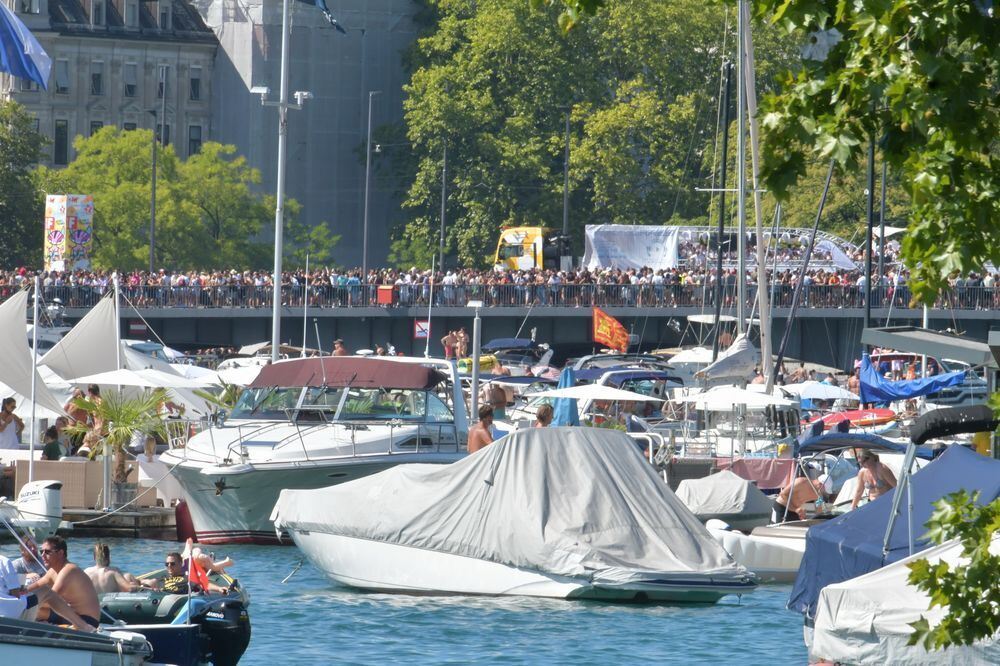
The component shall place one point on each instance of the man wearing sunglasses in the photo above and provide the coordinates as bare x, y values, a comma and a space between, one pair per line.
176, 580
69, 582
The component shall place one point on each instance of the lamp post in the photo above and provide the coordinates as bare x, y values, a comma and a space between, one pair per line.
565, 220
444, 196
477, 328
368, 173
152, 203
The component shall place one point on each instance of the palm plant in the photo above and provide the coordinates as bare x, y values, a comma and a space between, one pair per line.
121, 416
225, 398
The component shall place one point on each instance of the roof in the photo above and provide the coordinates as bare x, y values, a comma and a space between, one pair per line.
186, 24
339, 371
932, 343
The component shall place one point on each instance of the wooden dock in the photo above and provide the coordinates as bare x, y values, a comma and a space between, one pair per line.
142, 523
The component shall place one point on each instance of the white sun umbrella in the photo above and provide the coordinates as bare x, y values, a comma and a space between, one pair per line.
596, 392
726, 398
147, 378
813, 390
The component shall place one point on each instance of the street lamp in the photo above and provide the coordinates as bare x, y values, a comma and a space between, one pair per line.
152, 203
368, 173
476, 352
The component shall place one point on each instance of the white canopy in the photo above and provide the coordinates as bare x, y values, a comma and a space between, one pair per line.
90, 347
595, 392
726, 398
813, 390
147, 378
16, 368
693, 355
866, 620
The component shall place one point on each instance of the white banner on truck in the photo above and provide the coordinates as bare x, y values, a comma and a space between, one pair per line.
630, 246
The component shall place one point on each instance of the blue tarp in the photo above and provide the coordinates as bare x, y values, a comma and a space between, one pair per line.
857, 440
565, 411
508, 343
876, 389
851, 545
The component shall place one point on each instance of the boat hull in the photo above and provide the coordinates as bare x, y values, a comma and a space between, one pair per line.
234, 505
384, 567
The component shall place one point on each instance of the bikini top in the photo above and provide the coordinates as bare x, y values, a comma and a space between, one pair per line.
880, 485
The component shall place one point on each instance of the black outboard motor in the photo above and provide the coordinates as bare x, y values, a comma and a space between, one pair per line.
226, 626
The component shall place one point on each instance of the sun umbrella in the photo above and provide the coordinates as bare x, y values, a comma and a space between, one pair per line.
813, 390
147, 378
565, 410
726, 398
20, 53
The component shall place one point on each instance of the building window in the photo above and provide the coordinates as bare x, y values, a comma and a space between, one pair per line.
161, 81
131, 76
194, 139
61, 143
132, 13
97, 78
195, 83
163, 134
128, 127
164, 16
27, 85
62, 77
95, 126
30, 7
96, 12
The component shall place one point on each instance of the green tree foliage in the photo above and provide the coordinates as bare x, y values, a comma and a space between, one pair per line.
968, 590
209, 211
22, 203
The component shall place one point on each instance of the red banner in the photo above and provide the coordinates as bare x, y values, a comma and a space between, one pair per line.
609, 331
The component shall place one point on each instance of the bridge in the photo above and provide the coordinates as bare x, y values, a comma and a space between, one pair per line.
827, 327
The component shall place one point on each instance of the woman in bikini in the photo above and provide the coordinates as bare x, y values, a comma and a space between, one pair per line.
874, 479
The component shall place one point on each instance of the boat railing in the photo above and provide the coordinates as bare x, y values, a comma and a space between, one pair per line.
443, 436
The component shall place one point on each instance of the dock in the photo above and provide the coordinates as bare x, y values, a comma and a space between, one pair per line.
143, 523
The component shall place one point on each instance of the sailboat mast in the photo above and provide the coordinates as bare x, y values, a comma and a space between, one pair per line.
741, 166
727, 73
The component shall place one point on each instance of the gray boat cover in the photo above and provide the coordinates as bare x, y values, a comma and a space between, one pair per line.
579, 502
724, 493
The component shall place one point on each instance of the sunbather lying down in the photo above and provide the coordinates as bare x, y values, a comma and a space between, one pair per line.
204, 559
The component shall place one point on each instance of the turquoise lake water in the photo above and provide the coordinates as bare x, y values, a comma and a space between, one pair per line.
309, 620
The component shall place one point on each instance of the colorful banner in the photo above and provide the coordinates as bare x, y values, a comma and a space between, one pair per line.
69, 231
609, 331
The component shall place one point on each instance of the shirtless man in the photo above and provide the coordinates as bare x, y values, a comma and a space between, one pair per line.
480, 435
69, 582
795, 496
107, 578
449, 342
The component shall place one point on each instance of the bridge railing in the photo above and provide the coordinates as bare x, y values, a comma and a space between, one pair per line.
516, 295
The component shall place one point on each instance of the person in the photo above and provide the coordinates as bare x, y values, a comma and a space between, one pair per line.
338, 348
52, 448
30, 562
204, 559
16, 603
96, 421
77, 415
107, 578
793, 497
176, 580
11, 425
462, 342
874, 479
449, 342
497, 398
543, 417
69, 582
380, 350
481, 435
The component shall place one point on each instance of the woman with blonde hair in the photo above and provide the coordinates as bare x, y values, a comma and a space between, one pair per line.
874, 479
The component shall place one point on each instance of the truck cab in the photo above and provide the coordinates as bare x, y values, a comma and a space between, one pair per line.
524, 248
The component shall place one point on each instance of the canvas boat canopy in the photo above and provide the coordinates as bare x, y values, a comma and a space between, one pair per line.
579, 502
341, 371
952, 421
723, 494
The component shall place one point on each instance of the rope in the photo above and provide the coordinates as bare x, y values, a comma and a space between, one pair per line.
132, 501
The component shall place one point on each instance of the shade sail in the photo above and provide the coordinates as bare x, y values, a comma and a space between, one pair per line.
147, 378
89, 347
339, 371
16, 368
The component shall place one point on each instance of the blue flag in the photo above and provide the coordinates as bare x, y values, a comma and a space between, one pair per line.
20, 53
321, 5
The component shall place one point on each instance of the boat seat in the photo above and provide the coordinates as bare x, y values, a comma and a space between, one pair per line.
170, 604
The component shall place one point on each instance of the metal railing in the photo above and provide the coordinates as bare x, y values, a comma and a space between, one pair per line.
520, 295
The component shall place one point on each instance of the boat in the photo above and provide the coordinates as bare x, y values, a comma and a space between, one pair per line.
860, 418
867, 620
772, 552
37, 509
26, 642
311, 422
561, 512
726, 497
520, 356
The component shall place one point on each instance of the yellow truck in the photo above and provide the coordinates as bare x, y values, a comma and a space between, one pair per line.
524, 248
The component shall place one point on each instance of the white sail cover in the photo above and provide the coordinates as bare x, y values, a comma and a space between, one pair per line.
724, 493
16, 367
577, 502
866, 620
737, 362
89, 347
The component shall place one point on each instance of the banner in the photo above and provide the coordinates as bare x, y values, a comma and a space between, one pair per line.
609, 331
630, 246
69, 231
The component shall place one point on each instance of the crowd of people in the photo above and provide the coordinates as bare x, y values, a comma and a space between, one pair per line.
688, 286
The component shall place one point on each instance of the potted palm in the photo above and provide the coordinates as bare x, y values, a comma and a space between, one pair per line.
120, 416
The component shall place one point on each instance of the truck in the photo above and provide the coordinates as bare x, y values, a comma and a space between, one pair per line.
524, 248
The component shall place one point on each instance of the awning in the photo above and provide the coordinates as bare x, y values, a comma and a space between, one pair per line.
918, 340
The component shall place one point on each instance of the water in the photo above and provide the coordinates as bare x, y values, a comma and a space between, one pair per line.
311, 621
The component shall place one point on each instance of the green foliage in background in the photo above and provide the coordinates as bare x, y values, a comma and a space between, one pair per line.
22, 204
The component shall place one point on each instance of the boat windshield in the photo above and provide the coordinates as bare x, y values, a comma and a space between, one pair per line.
265, 403
359, 404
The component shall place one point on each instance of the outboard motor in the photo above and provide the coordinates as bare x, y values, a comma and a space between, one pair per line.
226, 626
40, 506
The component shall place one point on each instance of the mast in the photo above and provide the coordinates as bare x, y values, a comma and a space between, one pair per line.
741, 167
34, 375
727, 69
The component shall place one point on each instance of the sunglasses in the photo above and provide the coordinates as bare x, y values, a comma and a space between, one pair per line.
47, 551
171, 564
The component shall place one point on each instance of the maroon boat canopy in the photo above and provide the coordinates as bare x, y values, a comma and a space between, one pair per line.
340, 371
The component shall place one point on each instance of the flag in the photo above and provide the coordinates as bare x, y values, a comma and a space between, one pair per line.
321, 5
609, 331
197, 575
20, 53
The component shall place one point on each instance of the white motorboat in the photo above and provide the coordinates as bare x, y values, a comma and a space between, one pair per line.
312, 422
548, 512
23, 642
773, 552
37, 509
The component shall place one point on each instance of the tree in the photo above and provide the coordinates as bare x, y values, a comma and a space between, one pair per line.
22, 203
209, 212
968, 590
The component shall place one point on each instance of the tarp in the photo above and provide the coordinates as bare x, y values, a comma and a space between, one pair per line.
566, 411
738, 361
876, 389
578, 502
721, 494
630, 246
851, 545
509, 343
835, 441
16, 367
767, 473
866, 620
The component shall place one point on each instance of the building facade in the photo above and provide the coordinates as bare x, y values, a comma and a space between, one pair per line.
118, 62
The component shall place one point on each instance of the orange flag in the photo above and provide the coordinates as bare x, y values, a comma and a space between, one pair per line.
609, 331
196, 574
